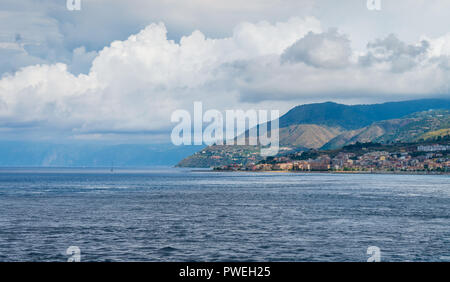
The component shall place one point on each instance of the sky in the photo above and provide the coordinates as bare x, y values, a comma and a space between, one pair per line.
115, 70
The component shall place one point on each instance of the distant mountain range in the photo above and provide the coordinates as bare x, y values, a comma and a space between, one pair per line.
351, 117
330, 126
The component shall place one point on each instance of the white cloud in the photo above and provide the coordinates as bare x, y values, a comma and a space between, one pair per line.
51, 33
134, 84
401, 56
327, 50
388, 70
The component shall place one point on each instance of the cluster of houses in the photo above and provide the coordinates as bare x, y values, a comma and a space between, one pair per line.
432, 159
433, 148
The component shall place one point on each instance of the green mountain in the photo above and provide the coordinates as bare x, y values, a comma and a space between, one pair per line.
330, 125
352, 117
412, 128
218, 155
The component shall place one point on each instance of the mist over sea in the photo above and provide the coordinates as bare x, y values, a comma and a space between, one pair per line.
183, 215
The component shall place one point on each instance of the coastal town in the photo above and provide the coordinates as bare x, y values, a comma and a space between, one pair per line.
433, 158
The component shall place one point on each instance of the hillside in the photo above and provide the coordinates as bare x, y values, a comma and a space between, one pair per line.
436, 134
414, 127
330, 125
222, 155
307, 135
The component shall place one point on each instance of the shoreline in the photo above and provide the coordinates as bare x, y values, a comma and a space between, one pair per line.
329, 172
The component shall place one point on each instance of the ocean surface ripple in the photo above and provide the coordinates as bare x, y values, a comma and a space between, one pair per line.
181, 215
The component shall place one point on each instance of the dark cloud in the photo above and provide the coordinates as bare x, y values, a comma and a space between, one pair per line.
324, 50
12, 59
401, 56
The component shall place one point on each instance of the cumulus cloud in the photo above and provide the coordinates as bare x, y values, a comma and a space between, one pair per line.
132, 86
51, 34
324, 50
400, 55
